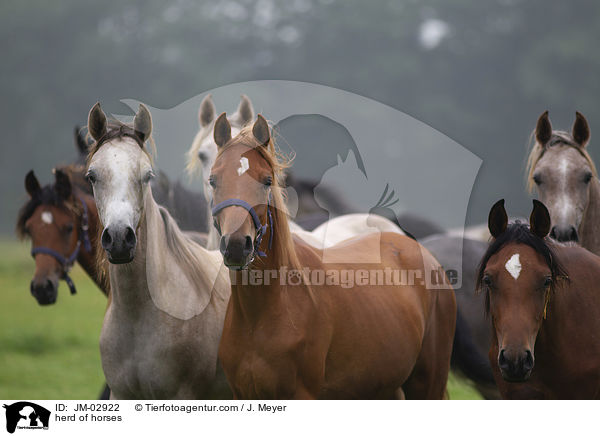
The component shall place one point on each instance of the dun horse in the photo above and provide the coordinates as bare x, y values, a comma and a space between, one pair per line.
301, 340
562, 172
544, 305
163, 323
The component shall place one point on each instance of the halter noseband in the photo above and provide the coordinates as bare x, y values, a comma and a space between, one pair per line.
67, 262
260, 228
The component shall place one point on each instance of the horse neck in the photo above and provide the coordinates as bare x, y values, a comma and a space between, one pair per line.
158, 279
129, 281
87, 259
588, 230
252, 303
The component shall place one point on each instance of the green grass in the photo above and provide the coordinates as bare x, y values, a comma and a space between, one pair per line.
52, 352
47, 352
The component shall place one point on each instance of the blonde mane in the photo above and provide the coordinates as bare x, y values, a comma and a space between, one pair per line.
192, 165
559, 137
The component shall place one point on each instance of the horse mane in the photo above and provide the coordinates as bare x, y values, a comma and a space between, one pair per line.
559, 137
48, 196
520, 233
183, 249
283, 245
116, 129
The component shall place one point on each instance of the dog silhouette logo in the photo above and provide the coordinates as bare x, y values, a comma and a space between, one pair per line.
26, 415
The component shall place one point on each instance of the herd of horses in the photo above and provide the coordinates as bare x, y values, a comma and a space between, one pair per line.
184, 322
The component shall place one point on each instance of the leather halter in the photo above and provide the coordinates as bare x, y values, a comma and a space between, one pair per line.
67, 262
260, 228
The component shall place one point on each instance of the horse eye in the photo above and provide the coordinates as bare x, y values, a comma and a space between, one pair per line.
547, 282
487, 281
587, 177
68, 228
537, 179
149, 176
268, 181
212, 182
91, 177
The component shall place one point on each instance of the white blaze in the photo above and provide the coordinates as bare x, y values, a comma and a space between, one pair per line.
244, 166
47, 217
513, 266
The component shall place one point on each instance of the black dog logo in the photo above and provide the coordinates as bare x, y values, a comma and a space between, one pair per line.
33, 416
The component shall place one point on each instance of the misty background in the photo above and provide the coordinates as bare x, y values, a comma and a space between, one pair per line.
480, 72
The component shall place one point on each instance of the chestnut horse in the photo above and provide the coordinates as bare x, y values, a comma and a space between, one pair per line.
544, 303
288, 338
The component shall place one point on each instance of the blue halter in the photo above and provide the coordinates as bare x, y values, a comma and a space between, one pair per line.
260, 228
67, 262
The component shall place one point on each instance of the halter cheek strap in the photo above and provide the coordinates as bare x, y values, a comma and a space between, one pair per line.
67, 262
260, 228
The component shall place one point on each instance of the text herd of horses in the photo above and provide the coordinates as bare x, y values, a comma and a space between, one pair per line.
251, 319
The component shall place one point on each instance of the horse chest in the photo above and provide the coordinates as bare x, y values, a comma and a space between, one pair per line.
140, 362
259, 377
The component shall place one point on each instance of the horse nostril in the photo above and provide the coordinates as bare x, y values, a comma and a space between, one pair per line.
528, 363
130, 237
249, 245
106, 239
502, 362
574, 236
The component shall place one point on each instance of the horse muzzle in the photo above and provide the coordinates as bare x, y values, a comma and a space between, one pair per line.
237, 251
44, 291
515, 365
119, 244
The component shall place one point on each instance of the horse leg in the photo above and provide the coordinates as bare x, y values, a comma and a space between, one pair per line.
430, 374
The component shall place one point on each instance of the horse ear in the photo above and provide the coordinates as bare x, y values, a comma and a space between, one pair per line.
581, 130
142, 123
260, 130
539, 221
245, 110
222, 133
207, 111
543, 129
62, 184
32, 185
498, 220
97, 122
80, 142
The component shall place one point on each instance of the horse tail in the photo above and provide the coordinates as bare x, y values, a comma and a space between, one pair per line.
466, 357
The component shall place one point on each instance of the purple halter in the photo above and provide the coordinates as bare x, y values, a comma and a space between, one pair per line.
67, 262
260, 228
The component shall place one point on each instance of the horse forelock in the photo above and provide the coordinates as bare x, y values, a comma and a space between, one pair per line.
559, 137
519, 233
118, 130
48, 196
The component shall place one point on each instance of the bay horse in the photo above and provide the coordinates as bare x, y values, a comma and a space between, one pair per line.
298, 340
544, 305
563, 173
62, 221
163, 323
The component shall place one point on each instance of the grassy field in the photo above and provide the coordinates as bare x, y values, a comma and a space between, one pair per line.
52, 352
